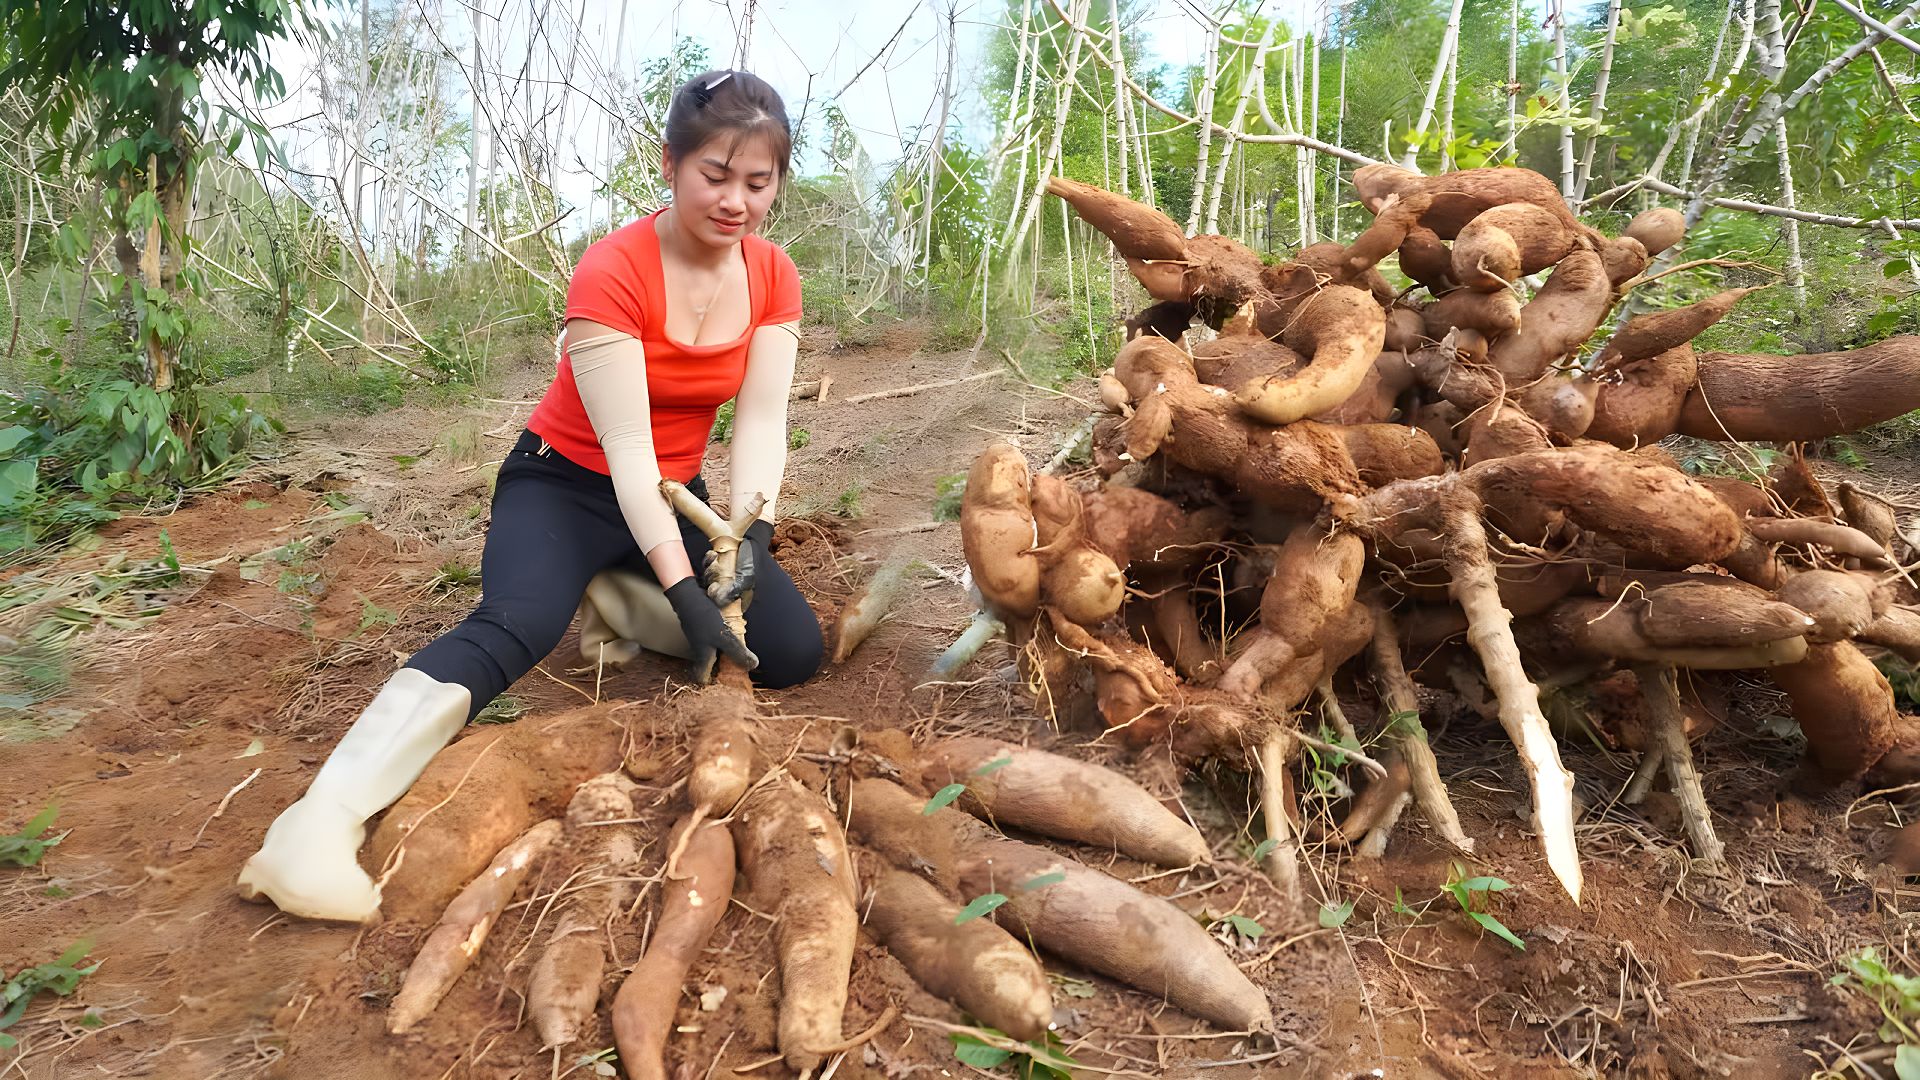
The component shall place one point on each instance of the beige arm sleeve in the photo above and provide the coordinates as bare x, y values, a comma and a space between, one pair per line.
759, 460
610, 371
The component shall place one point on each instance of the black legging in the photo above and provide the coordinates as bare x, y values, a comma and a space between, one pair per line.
557, 524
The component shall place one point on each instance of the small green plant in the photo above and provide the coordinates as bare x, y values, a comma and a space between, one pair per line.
946, 795
847, 503
454, 574
1471, 891
504, 709
372, 614
1335, 916
1898, 998
986, 903
1248, 929
722, 425
26, 847
1905, 679
798, 438
1041, 1059
948, 491
60, 977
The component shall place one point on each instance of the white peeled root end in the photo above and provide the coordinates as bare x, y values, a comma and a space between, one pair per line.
1490, 633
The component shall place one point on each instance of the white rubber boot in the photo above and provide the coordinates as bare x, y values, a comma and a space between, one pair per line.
623, 613
309, 863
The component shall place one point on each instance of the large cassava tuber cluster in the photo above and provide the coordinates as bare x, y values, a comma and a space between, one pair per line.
1464, 475
926, 861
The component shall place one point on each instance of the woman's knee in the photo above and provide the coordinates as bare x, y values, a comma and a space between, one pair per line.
790, 651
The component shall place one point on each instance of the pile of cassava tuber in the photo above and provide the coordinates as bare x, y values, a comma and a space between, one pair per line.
550, 800
554, 802
1460, 484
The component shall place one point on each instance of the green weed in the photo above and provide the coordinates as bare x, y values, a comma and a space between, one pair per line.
372, 614
59, 977
798, 438
504, 709
1898, 998
948, 491
1041, 1059
847, 503
1470, 892
454, 574
26, 847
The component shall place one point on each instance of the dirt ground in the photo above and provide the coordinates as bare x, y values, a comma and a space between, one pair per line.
313, 578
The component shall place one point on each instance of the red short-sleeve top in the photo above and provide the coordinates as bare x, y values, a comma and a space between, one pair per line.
619, 284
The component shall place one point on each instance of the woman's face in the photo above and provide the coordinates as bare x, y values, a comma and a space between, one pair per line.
722, 191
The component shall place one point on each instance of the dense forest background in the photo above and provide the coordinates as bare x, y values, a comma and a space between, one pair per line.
183, 274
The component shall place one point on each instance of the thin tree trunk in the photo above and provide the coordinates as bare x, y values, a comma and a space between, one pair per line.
1063, 100
1598, 110
1204, 110
937, 161
1566, 103
1312, 43
1513, 78
1690, 127
473, 148
1340, 121
1795, 268
1119, 94
1446, 110
1449, 41
1247, 83
1012, 122
1027, 119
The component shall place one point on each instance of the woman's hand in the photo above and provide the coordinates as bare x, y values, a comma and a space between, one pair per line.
753, 553
707, 632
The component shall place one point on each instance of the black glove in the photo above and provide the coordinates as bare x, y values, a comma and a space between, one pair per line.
706, 631
752, 554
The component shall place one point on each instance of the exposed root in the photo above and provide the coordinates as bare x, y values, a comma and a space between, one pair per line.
1662, 691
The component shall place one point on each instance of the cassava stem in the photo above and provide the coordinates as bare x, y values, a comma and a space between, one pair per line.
1409, 735
1662, 691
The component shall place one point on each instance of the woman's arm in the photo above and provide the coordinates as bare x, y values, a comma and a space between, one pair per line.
610, 371
759, 460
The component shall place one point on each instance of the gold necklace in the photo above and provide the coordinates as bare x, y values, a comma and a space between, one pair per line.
700, 311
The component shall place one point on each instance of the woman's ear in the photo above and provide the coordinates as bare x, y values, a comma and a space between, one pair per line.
666, 165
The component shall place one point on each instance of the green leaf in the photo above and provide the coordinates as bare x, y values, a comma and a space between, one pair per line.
1484, 884
11, 437
1906, 1062
969, 1050
1335, 916
1894, 268
18, 478
943, 797
1247, 928
1497, 928
1044, 880
978, 906
1265, 849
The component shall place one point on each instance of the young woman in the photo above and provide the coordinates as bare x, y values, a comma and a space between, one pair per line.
666, 319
